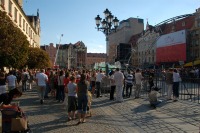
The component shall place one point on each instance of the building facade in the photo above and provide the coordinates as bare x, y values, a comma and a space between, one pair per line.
29, 25
145, 54
51, 50
194, 37
67, 55
146, 47
93, 58
126, 29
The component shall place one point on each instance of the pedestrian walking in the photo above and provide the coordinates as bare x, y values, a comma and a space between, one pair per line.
119, 81
83, 86
169, 83
48, 89
99, 78
176, 80
41, 79
30, 80
61, 86
72, 98
138, 83
11, 80
24, 77
2, 82
129, 84
112, 84
92, 81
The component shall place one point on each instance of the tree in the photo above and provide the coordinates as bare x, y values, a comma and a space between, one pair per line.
38, 58
13, 44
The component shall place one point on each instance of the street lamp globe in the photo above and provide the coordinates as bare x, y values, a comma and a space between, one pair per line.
109, 23
98, 20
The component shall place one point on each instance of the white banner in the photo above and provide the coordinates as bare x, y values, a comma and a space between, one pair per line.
174, 38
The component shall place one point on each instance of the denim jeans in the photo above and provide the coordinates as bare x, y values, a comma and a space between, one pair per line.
24, 86
61, 93
82, 103
47, 90
129, 90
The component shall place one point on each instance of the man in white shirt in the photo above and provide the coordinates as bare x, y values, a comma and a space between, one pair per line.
41, 79
138, 82
119, 82
99, 78
11, 80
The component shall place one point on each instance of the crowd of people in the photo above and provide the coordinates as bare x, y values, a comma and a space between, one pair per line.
75, 88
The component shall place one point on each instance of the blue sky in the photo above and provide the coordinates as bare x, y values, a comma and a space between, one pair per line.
75, 18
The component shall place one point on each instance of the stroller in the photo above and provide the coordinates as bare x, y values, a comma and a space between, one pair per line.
14, 120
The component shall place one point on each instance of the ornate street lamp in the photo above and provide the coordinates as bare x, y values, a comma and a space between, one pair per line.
109, 23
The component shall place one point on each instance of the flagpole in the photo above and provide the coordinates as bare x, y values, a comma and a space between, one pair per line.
57, 50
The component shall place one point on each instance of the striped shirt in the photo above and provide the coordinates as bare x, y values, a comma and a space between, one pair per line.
129, 79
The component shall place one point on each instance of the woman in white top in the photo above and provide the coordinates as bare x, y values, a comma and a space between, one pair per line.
176, 80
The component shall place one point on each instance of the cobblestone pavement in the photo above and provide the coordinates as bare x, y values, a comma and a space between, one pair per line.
130, 116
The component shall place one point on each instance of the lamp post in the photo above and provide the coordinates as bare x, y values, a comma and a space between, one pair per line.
108, 25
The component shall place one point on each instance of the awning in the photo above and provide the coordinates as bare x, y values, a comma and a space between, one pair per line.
190, 64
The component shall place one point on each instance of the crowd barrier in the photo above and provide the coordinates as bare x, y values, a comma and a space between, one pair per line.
189, 88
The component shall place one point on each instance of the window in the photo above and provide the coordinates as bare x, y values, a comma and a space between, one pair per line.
26, 28
23, 24
29, 31
20, 22
15, 15
10, 8
183, 23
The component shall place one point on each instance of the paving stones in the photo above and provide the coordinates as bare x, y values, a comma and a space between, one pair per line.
130, 116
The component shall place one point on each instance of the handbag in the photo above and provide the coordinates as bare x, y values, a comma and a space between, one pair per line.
19, 124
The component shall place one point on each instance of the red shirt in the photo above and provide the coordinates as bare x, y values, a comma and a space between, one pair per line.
66, 81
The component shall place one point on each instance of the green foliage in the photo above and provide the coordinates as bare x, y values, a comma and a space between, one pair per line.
38, 58
13, 44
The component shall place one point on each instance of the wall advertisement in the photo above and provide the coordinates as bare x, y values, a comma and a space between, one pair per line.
171, 47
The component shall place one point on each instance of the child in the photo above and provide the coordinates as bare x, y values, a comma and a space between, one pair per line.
72, 98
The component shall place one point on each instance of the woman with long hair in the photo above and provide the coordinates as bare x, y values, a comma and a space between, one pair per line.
83, 86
